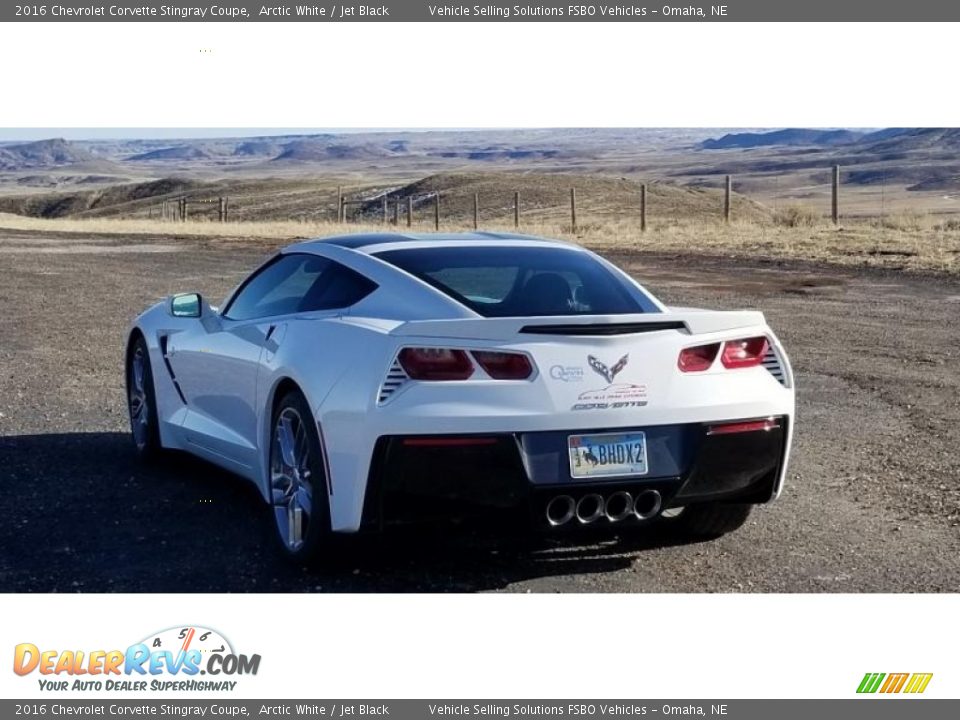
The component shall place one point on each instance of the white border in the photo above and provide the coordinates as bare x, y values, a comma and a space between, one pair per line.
500, 75
477, 74
524, 646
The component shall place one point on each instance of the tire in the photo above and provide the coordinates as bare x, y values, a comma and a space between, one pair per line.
142, 403
299, 498
711, 520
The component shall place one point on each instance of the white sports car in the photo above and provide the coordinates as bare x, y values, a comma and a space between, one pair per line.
369, 379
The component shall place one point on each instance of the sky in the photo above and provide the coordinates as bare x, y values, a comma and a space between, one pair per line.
9, 135
27, 134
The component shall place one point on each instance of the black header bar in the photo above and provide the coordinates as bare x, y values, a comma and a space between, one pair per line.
489, 11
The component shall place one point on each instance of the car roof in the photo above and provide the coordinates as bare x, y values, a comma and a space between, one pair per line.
379, 242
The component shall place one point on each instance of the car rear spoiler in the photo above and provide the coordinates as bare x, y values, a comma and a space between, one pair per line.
691, 322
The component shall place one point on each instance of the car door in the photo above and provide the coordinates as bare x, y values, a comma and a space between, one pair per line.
217, 362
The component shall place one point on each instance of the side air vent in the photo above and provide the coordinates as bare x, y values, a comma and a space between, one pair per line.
771, 361
396, 379
633, 328
164, 340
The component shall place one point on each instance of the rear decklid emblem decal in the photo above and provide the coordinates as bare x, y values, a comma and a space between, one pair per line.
608, 372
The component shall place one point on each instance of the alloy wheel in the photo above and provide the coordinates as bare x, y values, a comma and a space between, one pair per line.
138, 401
290, 478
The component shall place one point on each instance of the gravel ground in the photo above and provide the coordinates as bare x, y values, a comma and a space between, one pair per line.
872, 502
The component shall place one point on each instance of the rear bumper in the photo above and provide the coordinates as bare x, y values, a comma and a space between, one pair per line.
442, 476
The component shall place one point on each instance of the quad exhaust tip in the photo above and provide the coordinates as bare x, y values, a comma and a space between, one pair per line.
591, 507
560, 510
647, 504
619, 506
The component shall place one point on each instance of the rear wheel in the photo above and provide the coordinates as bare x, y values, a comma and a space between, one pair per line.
711, 520
298, 482
141, 402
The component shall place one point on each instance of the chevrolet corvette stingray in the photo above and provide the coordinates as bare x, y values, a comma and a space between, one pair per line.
365, 380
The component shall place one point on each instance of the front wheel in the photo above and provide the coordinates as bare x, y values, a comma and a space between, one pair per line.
711, 520
298, 482
142, 402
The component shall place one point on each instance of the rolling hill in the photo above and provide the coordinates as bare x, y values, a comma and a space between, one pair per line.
543, 197
546, 196
178, 152
789, 138
55, 152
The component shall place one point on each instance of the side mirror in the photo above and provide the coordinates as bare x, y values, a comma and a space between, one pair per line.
186, 305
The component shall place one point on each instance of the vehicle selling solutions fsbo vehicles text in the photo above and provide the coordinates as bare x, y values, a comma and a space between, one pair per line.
508, 11
573, 11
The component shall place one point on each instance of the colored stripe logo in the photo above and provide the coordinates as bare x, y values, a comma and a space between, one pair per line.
912, 683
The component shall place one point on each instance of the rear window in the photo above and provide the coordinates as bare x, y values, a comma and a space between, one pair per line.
511, 281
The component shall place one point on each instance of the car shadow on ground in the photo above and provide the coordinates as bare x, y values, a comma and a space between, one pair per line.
81, 514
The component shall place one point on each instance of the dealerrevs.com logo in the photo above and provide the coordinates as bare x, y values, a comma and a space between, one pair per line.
170, 660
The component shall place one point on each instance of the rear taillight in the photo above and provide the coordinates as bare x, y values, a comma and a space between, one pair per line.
746, 426
699, 358
744, 353
504, 365
435, 364
436, 442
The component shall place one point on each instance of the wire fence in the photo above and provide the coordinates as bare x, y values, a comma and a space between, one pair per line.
774, 197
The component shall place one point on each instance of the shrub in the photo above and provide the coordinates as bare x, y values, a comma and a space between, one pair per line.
796, 216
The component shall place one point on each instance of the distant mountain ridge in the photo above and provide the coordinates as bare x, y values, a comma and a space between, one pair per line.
924, 159
42, 153
177, 152
801, 137
321, 150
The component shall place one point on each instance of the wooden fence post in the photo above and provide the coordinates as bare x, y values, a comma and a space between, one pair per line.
476, 211
573, 209
226, 208
409, 210
835, 198
184, 210
516, 209
339, 203
726, 200
221, 215
436, 211
343, 210
643, 208
384, 209
396, 212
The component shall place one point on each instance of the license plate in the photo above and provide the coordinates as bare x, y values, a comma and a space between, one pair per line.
621, 454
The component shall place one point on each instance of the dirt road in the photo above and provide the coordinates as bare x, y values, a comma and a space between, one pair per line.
872, 501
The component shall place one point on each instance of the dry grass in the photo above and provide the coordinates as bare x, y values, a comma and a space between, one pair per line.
921, 244
272, 229
797, 216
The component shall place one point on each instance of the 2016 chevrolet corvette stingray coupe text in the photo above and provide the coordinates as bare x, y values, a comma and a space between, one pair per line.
366, 380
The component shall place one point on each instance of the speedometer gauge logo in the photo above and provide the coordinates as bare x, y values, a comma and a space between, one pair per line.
185, 639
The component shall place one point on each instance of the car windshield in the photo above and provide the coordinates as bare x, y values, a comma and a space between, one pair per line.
521, 281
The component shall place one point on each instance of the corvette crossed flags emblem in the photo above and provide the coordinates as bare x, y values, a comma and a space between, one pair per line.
611, 372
